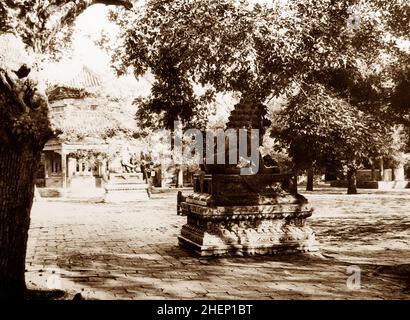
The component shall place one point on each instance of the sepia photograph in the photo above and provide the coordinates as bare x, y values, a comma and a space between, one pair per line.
212, 150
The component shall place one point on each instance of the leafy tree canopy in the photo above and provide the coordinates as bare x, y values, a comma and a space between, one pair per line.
37, 22
319, 128
261, 50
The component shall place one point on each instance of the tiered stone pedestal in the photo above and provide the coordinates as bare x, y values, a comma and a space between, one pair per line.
230, 213
126, 187
245, 215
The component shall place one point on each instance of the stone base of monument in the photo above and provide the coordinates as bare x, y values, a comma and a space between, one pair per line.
266, 229
126, 187
265, 220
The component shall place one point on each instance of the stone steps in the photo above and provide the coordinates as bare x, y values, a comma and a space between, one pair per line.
126, 187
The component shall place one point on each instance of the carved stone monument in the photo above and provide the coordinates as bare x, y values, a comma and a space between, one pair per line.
233, 214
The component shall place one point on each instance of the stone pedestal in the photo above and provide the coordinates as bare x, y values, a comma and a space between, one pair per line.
245, 215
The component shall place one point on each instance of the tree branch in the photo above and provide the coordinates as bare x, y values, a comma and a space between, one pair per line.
66, 14
15, 92
125, 3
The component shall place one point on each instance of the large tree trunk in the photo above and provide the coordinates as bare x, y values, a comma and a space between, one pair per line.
351, 181
24, 128
18, 166
310, 177
24, 123
373, 172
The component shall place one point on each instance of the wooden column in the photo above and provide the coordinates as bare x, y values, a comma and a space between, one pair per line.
63, 167
46, 166
162, 177
180, 177
381, 169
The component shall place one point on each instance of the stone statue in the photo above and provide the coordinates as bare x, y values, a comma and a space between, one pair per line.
126, 164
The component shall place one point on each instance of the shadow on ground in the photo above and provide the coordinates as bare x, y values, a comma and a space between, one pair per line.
129, 251
180, 276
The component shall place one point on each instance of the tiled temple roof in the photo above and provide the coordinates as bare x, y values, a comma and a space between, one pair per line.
79, 86
86, 78
77, 122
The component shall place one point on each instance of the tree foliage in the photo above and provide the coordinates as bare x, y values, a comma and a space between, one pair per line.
261, 50
347, 56
319, 128
244, 48
37, 22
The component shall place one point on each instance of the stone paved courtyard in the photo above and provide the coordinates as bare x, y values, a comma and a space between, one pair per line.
130, 251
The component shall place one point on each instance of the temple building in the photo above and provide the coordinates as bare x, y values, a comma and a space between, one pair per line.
90, 129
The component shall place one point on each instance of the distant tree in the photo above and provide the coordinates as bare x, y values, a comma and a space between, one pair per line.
317, 126
400, 97
27, 30
365, 69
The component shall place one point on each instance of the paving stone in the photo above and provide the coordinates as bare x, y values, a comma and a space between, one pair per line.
117, 251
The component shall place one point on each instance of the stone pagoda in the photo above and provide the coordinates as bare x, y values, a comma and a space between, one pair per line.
233, 214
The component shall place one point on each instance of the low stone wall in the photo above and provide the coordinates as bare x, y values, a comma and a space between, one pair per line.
366, 175
381, 185
51, 192
88, 193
